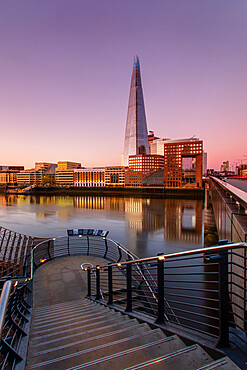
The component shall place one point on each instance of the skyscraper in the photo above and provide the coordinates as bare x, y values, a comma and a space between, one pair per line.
136, 134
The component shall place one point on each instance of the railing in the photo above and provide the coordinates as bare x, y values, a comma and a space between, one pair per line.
15, 315
15, 301
196, 292
76, 245
14, 248
239, 195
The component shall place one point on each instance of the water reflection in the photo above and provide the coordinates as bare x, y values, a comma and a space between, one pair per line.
146, 226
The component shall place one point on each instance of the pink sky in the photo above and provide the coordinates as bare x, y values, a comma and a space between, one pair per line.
66, 68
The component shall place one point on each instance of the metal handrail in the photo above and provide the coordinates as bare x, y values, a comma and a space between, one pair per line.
173, 307
238, 194
4, 300
180, 254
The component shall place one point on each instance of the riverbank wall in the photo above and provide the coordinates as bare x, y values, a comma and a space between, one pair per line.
179, 193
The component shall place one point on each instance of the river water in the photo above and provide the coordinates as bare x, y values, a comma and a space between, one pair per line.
145, 226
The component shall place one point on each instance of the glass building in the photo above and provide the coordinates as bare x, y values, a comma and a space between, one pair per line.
136, 134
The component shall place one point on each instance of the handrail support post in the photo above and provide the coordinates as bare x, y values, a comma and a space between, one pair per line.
129, 287
223, 339
160, 288
110, 298
97, 283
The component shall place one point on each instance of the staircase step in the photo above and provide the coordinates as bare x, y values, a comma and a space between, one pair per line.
110, 320
73, 322
60, 321
224, 363
109, 349
107, 327
58, 306
65, 311
93, 341
188, 358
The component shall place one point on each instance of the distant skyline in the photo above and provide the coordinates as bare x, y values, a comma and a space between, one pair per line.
65, 71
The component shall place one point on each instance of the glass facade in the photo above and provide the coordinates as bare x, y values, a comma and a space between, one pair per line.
136, 134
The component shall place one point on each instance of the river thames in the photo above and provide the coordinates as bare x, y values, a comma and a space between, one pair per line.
145, 226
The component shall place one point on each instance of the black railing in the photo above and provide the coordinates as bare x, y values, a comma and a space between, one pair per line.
15, 316
73, 246
15, 301
200, 293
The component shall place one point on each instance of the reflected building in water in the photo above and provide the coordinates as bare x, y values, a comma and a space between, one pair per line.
183, 220
144, 214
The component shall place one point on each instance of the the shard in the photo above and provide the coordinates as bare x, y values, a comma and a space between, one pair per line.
136, 134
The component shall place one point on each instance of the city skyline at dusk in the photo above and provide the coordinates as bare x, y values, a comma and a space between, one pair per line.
66, 70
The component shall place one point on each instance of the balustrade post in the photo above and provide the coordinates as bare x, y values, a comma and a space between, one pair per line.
223, 339
106, 248
129, 287
68, 246
87, 246
48, 249
97, 282
160, 286
88, 282
110, 300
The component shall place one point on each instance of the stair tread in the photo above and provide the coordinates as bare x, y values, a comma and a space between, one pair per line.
187, 358
107, 327
75, 358
94, 341
78, 328
224, 363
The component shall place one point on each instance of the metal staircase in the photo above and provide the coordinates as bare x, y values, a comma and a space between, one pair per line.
83, 334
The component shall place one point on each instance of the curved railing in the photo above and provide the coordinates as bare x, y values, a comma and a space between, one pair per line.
201, 293
64, 246
15, 317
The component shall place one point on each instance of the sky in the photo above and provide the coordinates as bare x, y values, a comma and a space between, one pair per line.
65, 70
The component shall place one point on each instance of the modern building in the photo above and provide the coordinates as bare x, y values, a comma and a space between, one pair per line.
12, 168
157, 146
65, 165
64, 173
45, 166
8, 177
114, 176
242, 170
39, 176
224, 166
136, 134
204, 163
89, 177
177, 172
141, 166
64, 177
27, 177
151, 138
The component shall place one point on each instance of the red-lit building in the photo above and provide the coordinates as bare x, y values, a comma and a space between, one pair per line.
140, 166
174, 153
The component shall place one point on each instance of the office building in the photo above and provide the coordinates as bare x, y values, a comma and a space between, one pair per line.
64, 177
65, 165
177, 171
157, 146
141, 166
136, 134
89, 177
114, 176
12, 168
8, 177
225, 166
45, 166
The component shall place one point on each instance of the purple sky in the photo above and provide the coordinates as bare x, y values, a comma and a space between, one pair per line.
65, 69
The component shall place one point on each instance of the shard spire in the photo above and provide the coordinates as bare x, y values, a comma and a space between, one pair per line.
136, 134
